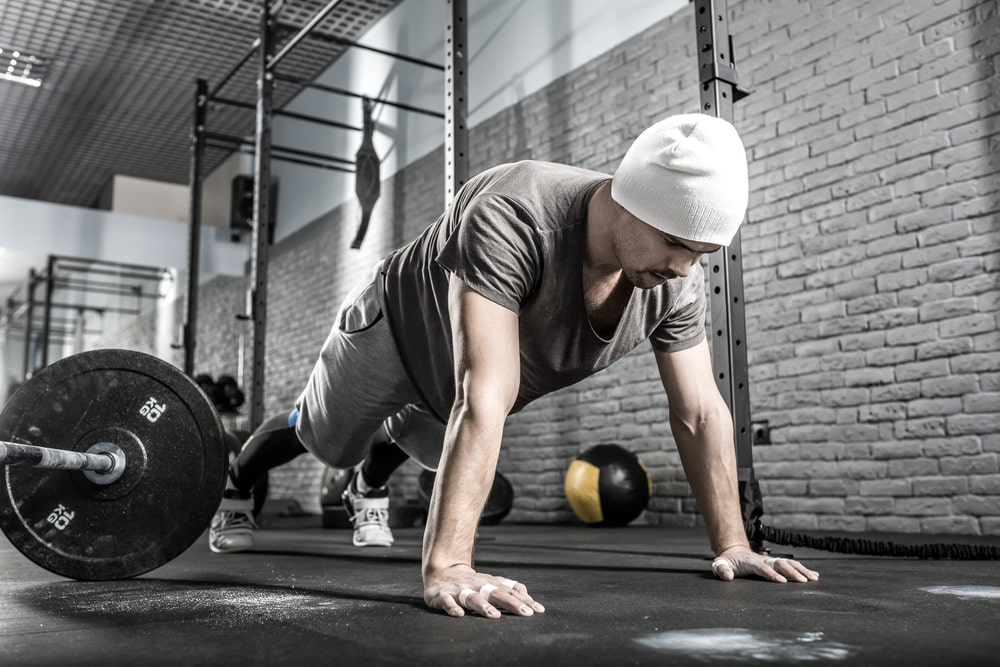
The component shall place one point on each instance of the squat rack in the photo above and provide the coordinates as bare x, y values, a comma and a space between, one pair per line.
718, 91
83, 277
268, 57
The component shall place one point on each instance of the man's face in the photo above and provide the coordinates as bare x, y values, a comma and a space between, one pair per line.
650, 257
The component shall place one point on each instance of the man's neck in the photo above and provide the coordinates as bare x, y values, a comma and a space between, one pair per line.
599, 254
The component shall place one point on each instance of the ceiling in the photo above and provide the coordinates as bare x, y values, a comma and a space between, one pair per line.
118, 84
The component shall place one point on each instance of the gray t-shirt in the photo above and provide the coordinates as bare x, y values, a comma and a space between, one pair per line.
516, 234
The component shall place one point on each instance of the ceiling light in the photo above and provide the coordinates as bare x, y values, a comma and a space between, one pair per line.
32, 67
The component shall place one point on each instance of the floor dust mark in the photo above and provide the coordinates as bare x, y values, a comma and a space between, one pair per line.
552, 639
966, 592
231, 602
742, 645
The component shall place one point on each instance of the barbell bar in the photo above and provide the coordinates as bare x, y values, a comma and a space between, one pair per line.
103, 463
13, 453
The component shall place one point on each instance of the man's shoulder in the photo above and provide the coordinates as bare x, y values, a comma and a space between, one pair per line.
542, 169
547, 192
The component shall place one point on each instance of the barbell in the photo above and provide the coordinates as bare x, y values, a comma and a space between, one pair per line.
114, 462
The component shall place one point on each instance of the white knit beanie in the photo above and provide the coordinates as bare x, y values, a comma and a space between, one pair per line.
687, 176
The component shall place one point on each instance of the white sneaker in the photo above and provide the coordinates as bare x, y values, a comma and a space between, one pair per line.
232, 526
370, 515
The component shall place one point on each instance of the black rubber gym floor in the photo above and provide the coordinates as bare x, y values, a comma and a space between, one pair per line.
622, 596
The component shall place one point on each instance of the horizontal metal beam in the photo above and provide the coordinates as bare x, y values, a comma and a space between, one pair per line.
236, 68
18, 333
319, 17
341, 41
348, 93
280, 158
106, 288
240, 141
311, 163
289, 114
107, 272
97, 309
88, 263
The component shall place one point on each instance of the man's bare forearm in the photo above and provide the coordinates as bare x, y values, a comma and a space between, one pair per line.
465, 475
709, 460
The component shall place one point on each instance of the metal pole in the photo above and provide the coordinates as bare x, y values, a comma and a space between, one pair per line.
100, 310
124, 275
288, 114
32, 282
291, 151
346, 43
718, 92
456, 95
47, 317
91, 263
232, 72
313, 163
301, 34
104, 288
190, 331
257, 295
349, 93
291, 160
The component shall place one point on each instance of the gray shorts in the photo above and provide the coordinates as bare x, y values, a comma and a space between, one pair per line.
359, 384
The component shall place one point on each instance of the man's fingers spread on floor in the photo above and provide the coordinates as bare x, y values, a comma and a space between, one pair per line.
801, 573
512, 601
451, 606
811, 575
788, 569
486, 609
769, 572
520, 591
723, 569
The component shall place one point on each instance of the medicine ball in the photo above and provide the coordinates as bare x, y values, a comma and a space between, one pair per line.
607, 485
228, 396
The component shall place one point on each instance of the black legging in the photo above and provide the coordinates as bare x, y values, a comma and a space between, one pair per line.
274, 443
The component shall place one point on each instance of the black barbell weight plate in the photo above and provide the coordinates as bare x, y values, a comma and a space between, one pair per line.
175, 472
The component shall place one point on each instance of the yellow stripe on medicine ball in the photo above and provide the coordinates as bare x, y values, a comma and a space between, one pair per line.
649, 478
582, 488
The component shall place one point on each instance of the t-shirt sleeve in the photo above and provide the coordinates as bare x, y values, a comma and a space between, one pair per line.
495, 250
684, 327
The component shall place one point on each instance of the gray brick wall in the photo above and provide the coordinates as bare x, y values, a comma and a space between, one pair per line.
871, 266
871, 262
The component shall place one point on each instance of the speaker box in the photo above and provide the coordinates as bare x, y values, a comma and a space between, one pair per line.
241, 207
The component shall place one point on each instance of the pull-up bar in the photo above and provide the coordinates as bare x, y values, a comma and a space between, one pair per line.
235, 68
340, 91
248, 150
288, 114
301, 34
240, 141
341, 41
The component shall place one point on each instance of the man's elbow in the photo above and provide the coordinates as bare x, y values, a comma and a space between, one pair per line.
707, 418
482, 405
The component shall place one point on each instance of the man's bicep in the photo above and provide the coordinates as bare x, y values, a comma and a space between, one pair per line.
486, 348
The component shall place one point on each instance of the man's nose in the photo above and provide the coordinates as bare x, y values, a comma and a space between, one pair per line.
681, 266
